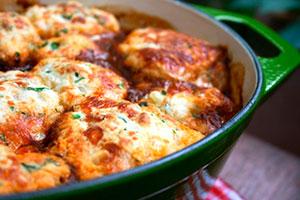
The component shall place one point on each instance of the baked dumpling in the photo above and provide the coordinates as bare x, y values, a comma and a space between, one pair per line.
28, 109
76, 80
19, 40
202, 109
30, 171
70, 17
153, 53
104, 136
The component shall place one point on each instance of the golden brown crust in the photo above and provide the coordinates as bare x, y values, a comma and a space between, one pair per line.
30, 171
71, 46
202, 109
76, 80
18, 40
70, 17
170, 55
28, 109
105, 136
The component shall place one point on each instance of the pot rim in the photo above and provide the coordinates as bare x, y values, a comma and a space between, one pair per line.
109, 180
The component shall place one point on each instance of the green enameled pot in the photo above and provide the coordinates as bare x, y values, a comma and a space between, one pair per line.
162, 178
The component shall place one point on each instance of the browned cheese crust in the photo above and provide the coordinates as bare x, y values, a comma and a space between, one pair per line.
18, 40
105, 136
166, 54
30, 171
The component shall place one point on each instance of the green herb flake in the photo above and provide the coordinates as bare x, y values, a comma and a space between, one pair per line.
17, 54
123, 119
67, 16
163, 121
76, 116
37, 89
50, 161
80, 79
11, 108
44, 44
1, 95
143, 104
3, 138
174, 132
163, 92
54, 45
121, 85
31, 167
64, 30
77, 74
48, 71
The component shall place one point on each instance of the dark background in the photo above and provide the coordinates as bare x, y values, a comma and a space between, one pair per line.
277, 121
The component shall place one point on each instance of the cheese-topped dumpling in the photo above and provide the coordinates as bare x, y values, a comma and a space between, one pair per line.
203, 109
72, 46
28, 109
104, 136
156, 53
75, 80
70, 17
30, 171
18, 40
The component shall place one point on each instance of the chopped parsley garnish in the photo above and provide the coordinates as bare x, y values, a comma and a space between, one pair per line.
67, 16
121, 85
50, 161
76, 116
3, 138
143, 103
123, 119
44, 44
34, 167
17, 54
163, 92
48, 71
31, 167
77, 74
78, 80
163, 120
64, 30
174, 131
37, 89
11, 108
54, 45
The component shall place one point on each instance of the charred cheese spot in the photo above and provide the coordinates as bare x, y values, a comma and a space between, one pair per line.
204, 110
30, 171
117, 135
28, 109
71, 46
166, 54
18, 40
71, 17
75, 80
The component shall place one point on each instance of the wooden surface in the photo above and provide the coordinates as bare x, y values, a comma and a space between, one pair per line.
260, 171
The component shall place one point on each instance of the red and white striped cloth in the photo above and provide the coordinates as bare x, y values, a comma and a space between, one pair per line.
201, 186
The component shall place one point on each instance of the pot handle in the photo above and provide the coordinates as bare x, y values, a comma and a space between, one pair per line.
275, 69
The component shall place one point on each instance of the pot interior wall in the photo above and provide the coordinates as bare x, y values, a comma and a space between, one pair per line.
195, 24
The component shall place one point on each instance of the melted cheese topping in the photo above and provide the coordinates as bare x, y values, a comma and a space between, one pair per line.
75, 80
30, 171
71, 17
169, 55
28, 108
68, 46
204, 110
18, 39
119, 131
